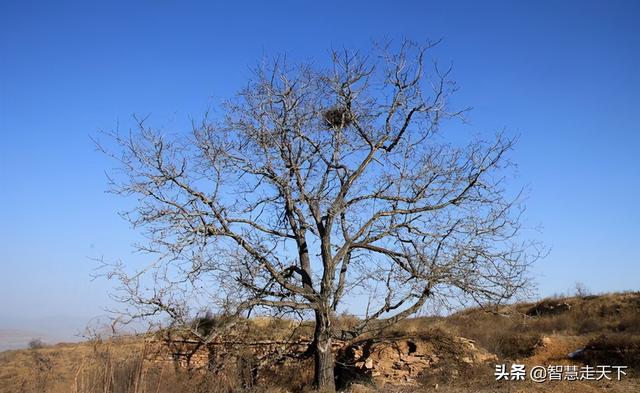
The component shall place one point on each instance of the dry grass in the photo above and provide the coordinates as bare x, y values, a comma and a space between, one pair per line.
614, 349
608, 325
519, 334
123, 367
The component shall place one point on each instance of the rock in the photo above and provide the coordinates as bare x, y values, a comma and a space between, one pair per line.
475, 355
544, 341
577, 354
368, 364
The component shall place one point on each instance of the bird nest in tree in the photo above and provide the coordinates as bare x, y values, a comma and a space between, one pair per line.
337, 117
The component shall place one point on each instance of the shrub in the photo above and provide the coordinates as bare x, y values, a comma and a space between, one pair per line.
36, 343
613, 349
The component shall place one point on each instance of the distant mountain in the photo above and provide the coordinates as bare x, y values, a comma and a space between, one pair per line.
15, 333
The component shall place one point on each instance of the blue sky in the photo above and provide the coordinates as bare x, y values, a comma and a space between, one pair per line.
562, 75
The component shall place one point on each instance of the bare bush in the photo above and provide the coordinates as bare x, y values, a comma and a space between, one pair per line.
581, 289
36, 343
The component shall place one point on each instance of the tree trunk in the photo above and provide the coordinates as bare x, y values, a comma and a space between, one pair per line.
324, 379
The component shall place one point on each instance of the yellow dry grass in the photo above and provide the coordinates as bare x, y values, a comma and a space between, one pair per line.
122, 365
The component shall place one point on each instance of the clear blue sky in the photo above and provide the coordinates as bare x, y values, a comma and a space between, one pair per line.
562, 75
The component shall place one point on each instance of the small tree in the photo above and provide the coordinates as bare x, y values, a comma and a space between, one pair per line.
316, 184
36, 343
581, 289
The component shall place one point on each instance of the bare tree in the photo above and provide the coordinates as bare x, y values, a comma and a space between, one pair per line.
319, 183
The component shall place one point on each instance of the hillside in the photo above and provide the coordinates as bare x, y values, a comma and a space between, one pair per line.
458, 353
